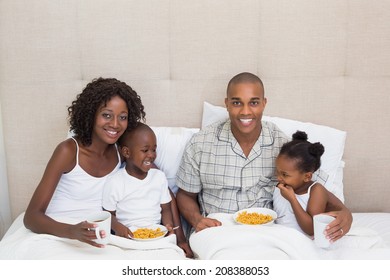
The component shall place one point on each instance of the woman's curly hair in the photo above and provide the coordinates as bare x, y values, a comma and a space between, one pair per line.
82, 112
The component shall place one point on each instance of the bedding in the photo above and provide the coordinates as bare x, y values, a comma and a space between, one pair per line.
171, 142
277, 242
21, 243
369, 238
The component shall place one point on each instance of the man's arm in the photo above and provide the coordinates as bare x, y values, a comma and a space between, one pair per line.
189, 208
342, 224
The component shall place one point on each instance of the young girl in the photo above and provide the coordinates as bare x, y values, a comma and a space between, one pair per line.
297, 198
72, 184
138, 195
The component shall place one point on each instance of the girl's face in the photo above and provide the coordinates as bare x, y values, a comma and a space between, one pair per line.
288, 174
111, 120
141, 153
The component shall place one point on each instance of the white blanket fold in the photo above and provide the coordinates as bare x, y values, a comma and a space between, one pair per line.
24, 244
229, 241
252, 242
233, 241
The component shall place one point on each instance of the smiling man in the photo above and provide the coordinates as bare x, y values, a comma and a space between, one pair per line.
230, 165
245, 103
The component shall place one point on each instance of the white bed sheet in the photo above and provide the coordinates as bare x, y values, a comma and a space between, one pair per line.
380, 222
367, 239
21, 243
372, 230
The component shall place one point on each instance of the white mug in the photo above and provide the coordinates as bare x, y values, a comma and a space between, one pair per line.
103, 221
320, 222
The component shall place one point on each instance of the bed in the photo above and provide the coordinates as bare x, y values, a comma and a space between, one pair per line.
369, 237
323, 63
20, 243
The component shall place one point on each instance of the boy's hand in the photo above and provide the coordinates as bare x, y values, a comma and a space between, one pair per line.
122, 231
170, 229
186, 248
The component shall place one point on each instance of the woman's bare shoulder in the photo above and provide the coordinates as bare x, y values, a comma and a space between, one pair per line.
66, 147
65, 154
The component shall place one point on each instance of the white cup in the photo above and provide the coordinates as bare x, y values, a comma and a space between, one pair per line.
320, 222
103, 221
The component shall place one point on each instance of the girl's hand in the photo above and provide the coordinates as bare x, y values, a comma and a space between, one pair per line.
286, 191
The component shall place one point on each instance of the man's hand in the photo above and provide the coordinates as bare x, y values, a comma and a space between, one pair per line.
340, 226
206, 223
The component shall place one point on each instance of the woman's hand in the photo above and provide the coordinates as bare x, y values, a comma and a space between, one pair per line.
85, 232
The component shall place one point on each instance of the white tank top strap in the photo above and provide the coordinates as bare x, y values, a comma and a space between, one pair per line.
309, 188
77, 150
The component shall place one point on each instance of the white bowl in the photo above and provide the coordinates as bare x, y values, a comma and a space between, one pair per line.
154, 227
264, 211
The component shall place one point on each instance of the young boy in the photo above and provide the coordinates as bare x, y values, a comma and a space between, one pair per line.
138, 195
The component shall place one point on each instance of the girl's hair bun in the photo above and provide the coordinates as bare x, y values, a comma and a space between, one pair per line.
316, 149
300, 136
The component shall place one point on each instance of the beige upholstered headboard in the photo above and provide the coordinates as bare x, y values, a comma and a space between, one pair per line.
326, 62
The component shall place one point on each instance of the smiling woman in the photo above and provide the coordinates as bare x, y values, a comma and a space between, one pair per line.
72, 183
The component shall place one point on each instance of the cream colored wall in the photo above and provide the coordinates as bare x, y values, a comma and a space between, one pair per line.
5, 210
326, 62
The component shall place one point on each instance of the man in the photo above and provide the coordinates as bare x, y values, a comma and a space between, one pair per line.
230, 165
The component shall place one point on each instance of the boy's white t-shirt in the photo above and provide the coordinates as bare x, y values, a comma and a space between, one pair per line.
136, 202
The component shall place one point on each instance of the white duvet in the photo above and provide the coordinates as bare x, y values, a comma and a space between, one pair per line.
229, 241
26, 245
232, 241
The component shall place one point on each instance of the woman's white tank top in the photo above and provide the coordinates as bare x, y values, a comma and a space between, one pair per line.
78, 193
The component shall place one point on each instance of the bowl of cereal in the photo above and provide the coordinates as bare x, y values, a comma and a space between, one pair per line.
255, 216
148, 233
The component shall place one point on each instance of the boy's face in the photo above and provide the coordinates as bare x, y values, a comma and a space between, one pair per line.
141, 153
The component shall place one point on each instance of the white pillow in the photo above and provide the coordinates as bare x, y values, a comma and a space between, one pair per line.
212, 114
171, 142
332, 139
338, 185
